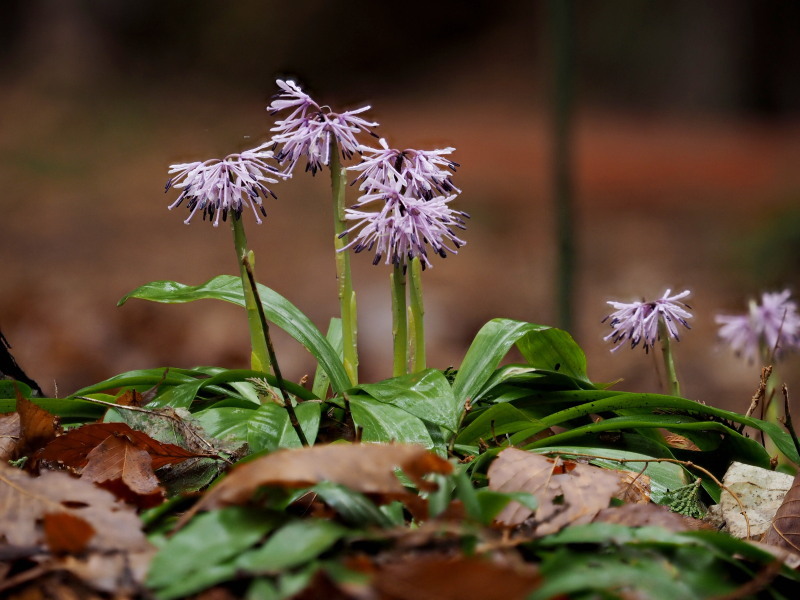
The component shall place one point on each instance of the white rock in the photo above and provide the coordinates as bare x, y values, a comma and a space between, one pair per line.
761, 493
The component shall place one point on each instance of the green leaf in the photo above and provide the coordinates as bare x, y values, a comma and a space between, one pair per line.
62, 407
386, 423
197, 556
497, 420
426, 395
264, 428
9, 388
554, 350
744, 449
548, 350
143, 377
182, 396
490, 345
292, 545
321, 380
604, 401
277, 308
355, 508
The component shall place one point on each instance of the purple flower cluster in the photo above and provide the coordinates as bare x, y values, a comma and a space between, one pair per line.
415, 187
403, 225
221, 186
309, 128
638, 321
419, 170
770, 327
412, 188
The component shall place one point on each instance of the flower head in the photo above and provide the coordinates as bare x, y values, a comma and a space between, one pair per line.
404, 226
638, 321
218, 187
309, 128
772, 326
425, 173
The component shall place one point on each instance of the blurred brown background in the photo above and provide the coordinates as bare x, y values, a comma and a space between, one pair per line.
686, 155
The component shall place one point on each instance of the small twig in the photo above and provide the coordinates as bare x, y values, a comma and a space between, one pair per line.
287, 402
788, 419
758, 397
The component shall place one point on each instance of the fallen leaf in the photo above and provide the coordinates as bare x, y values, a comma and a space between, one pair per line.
784, 531
131, 398
633, 487
366, 468
72, 449
58, 512
680, 442
644, 515
10, 432
25, 500
66, 534
453, 578
117, 465
567, 492
37, 427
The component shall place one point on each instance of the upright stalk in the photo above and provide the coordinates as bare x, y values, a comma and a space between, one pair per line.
399, 323
347, 297
416, 314
561, 17
769, 407
259, 357
262, 318
669, 363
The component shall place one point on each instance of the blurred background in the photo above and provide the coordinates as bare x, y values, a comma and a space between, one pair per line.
685, 155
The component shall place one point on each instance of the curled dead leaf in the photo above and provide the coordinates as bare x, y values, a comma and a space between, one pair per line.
37, 427
10, 432
784, 531
66, 533
366, 468
72, 449
567, 492
119, 466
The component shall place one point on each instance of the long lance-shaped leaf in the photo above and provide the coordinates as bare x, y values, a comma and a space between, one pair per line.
746, 448
545, 348
277, 308
622, 401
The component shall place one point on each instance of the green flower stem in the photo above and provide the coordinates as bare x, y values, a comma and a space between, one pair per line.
399, 323
287, 401
669, 363
347, 297
770, 411
259, 358
416, 317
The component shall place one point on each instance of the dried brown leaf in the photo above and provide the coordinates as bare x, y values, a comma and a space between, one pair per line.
37, 426
25, 500
643, 515
10, 432
567, 492
72, 448
633, 487
366, 468
453, 578
784, 531
66, 534
131, 398
119, 466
